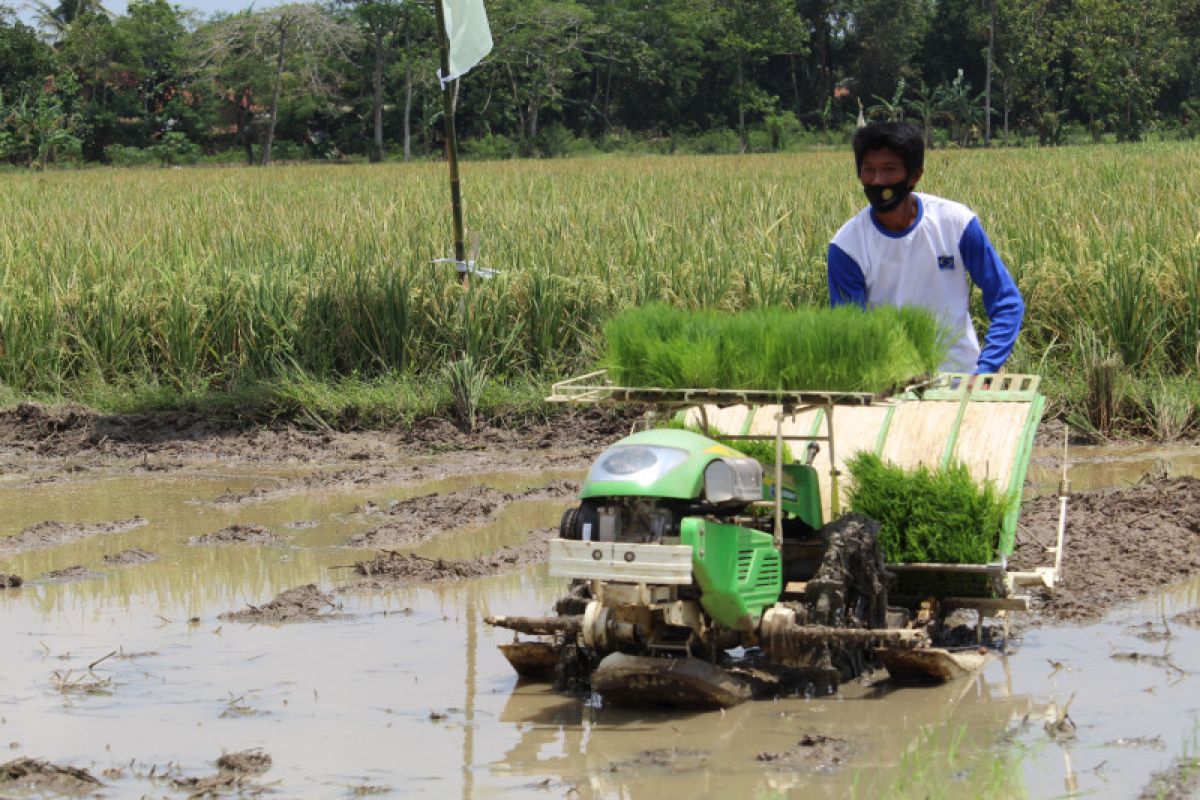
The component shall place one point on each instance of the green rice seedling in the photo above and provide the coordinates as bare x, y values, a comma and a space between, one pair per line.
928, 515
761, 450
835, 349
468, 379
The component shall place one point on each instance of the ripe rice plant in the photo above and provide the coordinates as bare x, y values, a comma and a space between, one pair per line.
928, 516
838, 349
226, 278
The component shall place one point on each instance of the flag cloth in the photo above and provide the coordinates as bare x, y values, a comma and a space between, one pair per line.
469, 36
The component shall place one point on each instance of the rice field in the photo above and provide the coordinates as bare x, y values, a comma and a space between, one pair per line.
212, 279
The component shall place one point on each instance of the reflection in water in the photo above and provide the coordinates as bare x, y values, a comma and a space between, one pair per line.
409, 691
1102, 467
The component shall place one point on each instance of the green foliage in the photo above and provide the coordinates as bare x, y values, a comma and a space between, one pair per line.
761, 450
928, 516
174, 148
835, 349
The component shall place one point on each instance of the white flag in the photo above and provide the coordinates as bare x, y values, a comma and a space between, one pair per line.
469, 36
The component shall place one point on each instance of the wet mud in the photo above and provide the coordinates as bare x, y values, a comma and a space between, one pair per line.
45, 778
72, 573
169, 440
239, 534
245, 762
419, 519
302, 604
1179, 782
814, 751
52, 534
169, 646
1189, 618
680, 759
390, 569
1119, 545
128, 558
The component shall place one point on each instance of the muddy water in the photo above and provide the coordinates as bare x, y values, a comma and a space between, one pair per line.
407, 694
1099, 467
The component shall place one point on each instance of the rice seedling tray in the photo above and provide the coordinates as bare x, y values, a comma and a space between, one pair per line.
596, 387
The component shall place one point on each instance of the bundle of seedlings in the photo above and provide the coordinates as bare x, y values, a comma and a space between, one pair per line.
842, 349
928, 515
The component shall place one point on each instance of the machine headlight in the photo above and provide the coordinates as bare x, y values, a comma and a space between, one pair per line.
733, 480
638, 463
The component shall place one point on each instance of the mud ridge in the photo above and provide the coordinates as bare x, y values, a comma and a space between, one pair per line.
246, 762
419, 519
390, 569
814, 751
34, 774
301, 604
239, 534
130, 557
1189, 618
174, 437
1181, 781
73, 573
453, 464
1120, 544
52, 533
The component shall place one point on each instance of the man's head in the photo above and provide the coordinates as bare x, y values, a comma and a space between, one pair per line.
890, 157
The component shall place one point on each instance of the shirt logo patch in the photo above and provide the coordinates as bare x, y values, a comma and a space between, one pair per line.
945, 262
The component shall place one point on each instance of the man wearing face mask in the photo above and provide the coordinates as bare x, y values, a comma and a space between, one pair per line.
914, 249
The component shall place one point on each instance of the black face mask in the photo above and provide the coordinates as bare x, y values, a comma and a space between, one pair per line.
886, 198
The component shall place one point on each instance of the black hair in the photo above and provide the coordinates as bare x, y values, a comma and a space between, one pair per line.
904, 139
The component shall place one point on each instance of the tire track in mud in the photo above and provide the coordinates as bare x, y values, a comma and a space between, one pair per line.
422, 518
52, 533
1120, 544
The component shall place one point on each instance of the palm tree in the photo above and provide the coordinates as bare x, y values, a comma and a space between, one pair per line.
57, 19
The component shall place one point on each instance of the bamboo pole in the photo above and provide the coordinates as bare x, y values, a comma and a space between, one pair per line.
451, 137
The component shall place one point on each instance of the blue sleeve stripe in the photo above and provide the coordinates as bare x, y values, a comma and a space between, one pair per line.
1001, 298
846, 281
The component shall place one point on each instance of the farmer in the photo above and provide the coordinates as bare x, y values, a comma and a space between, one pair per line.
915, 249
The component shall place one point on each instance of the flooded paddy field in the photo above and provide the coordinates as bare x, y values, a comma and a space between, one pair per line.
120, 657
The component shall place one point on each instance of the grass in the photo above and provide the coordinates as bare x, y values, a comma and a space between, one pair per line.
928, 515
943, 762
214, 280
842, 349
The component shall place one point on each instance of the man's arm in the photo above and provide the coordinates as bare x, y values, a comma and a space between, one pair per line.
1001, 299
846, 281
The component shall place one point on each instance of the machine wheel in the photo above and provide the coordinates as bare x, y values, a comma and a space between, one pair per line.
568, 527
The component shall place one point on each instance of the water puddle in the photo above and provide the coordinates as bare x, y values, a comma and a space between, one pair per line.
405, 694
1101, 467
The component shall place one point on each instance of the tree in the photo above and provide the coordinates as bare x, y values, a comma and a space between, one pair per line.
1124, 51
887, 38
747, 32
25, 60
389, 29
58, 19
36, 128
300, 39
161, 70
539, 49
1028, 62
